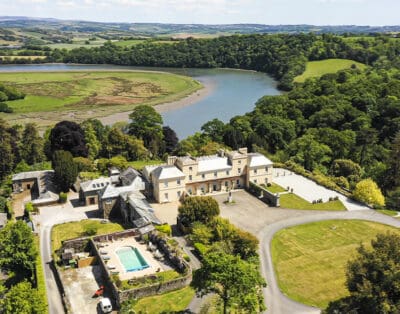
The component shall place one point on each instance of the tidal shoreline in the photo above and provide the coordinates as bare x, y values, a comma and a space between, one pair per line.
208, 87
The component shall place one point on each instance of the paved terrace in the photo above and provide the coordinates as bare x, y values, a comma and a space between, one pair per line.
309, 190
114, 264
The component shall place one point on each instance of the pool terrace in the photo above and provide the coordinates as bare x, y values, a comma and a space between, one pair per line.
108, 252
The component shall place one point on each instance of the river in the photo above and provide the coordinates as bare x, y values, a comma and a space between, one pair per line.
231, 92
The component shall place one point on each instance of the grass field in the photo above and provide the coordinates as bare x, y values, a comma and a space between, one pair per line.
77, 229
293, 201
22, 57
319, 68
41, 285
388, 212
140, 164
171, 302
93, 94
275, 188
310, 260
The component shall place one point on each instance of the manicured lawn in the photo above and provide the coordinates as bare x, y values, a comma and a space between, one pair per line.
77, 229
293, 201
41, 285
140, 164
319, 68
388, 212
310, 260
174, 301
275, 188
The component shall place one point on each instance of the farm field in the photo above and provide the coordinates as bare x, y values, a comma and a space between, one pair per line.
83, 94
134, 42
319, 68
310, 260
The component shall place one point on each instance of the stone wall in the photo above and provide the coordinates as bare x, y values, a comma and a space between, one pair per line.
78, 244
157, 288
264, 195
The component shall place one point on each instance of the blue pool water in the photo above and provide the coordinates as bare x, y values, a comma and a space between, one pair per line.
131, 258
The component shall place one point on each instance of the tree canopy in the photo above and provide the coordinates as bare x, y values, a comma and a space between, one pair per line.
198, 208
368, 191
237, 282
68, 136
373, 279
65, 169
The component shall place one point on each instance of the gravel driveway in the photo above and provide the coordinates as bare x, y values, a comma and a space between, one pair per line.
309, 190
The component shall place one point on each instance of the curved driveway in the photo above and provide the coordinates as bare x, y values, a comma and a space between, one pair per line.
278, 303
50, 216
254, 216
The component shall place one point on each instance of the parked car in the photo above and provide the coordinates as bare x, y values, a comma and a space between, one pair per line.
105, 305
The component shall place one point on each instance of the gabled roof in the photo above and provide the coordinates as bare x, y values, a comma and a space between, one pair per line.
30, 175
213, 163
129, 175
259, 160
168, 172
95, 185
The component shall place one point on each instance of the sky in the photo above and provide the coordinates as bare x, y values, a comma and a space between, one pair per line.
316, 12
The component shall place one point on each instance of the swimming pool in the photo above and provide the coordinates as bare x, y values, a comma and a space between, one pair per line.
131, 258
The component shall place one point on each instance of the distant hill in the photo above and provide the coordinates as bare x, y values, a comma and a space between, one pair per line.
159, 29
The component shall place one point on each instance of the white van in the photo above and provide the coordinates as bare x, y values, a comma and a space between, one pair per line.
105, 305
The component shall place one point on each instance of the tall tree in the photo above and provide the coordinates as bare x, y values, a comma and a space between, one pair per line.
65, 169
22, 298
6, 151
17, 250
92, 142
393, 174
146, 124
214, 129
235, 281
373, 279
31, 145
198, 208
68, 136
170, 139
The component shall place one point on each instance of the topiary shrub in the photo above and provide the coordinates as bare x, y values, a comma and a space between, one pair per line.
62, 198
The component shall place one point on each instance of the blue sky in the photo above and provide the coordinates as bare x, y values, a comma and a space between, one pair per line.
318, 12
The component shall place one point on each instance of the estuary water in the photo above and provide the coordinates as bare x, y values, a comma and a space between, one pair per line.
230, 92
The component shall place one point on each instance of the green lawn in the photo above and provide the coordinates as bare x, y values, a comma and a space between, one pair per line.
174, 301
41, 285
92, 94
388, 212
293, 201
77, 229
140, 164
310, 260
319, 68
275, 188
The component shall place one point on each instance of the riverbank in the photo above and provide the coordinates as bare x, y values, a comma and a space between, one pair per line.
208, 87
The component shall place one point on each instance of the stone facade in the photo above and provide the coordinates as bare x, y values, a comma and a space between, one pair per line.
208, 174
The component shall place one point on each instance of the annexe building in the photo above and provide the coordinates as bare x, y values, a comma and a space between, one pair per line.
223, 172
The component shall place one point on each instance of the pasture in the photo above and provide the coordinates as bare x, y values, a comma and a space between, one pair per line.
310, 260
319, 68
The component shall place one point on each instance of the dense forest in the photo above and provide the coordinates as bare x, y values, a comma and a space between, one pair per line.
283, 56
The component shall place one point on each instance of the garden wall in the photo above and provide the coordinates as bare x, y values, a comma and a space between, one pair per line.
264, 195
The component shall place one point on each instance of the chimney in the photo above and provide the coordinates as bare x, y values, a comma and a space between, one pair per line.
243, 150
171, 160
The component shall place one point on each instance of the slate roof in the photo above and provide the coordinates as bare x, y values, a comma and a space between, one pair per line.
167, 172
213, 163
259, 160
129, 175
95, 185
30, 175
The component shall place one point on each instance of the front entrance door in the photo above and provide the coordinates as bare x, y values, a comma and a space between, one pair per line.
215, 187
92, 201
